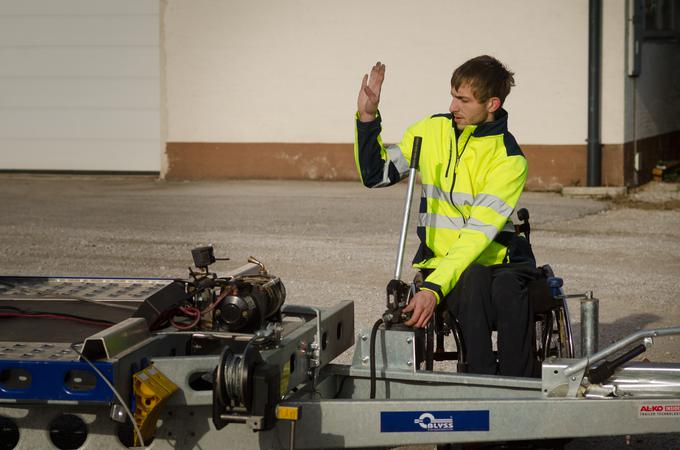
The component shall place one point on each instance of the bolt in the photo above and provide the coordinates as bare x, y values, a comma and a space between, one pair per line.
573, 378
409, 340
363, 337
118, 413
409, 363
364, 359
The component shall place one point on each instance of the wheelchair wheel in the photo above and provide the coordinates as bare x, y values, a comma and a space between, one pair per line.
553, 332
552, 336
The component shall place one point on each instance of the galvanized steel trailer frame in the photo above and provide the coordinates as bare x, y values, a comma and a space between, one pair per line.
338, 413
411, 406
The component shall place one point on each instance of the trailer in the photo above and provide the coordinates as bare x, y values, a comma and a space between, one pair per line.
223, 362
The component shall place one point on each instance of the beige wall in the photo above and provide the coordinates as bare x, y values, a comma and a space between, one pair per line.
288, 71
285, 74
613, 72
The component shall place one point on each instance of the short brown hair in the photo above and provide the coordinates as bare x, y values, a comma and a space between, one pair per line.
487, 76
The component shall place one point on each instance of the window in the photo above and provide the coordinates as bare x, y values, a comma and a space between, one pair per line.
661, 19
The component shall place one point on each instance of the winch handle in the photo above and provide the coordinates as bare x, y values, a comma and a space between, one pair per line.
415, 153
415, 156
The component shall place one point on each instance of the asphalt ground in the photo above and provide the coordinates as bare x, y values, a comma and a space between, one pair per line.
333, 241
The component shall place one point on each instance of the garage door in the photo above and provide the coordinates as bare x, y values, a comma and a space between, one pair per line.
80, 85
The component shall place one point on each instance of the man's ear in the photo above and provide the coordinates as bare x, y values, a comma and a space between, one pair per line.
493, 104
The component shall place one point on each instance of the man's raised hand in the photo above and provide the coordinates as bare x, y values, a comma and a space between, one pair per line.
369, 95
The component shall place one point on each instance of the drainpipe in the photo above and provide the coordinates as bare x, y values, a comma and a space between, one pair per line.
594, 84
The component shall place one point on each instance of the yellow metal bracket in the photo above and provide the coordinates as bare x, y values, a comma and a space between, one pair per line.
151, 389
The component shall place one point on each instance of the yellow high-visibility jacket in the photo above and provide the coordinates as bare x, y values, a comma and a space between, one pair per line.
471, 182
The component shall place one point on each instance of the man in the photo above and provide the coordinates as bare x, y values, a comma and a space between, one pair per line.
472, 174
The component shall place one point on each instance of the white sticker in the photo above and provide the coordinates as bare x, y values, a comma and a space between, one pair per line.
653, 409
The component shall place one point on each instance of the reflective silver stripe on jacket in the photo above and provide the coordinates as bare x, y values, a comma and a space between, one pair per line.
436, 193
461, 198
489, 231
494, 203
439, 221
457, 223
397, 158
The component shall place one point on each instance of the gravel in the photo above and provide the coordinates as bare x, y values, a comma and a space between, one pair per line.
337, 241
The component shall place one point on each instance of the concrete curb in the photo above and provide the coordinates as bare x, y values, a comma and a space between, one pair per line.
595, 191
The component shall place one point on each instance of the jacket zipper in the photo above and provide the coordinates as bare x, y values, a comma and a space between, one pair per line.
455, 172
446, 175
454, 131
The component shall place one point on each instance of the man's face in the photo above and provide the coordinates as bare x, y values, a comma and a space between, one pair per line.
467, 110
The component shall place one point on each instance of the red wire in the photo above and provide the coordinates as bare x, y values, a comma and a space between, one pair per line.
197, 313
189, 311
56, 316
217, 301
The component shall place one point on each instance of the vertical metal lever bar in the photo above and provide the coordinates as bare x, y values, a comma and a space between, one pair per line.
415, 156
589, 325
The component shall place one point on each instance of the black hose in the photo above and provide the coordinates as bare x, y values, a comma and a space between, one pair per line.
429, 346
374, 333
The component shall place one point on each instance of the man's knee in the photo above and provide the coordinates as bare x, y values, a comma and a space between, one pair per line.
508, 287
511, 301
508, 279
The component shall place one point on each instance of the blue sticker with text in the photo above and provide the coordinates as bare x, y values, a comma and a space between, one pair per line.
432, 421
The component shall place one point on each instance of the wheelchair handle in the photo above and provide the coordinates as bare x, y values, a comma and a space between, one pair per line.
523, 214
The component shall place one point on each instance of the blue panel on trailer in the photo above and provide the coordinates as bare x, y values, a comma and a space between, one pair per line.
433, 421
54, 380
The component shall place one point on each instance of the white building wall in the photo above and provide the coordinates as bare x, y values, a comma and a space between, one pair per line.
289, 71
613, 111
80, 79
80, 85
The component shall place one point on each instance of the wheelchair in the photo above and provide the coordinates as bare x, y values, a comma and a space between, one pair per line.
552, 327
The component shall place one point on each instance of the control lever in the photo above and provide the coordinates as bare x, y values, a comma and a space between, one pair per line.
398, 291
606, 369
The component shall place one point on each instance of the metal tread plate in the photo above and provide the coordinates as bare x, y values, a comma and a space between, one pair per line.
95, 289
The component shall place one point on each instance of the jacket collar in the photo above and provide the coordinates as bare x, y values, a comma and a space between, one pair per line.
498, 126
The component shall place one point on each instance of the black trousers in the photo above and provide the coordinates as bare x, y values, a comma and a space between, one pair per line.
496, 298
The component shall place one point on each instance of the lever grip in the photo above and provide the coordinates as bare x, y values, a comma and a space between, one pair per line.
415, 153
606, 369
